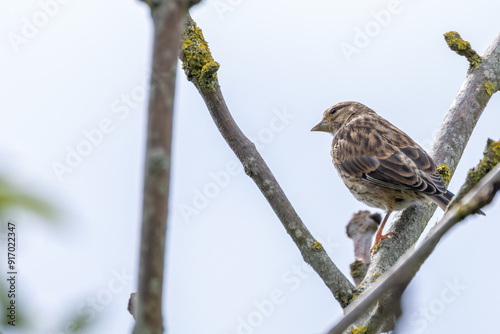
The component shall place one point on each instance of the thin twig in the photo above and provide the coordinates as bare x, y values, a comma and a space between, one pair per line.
200, 69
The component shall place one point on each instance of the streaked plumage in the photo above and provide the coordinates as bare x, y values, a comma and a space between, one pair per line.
380, 164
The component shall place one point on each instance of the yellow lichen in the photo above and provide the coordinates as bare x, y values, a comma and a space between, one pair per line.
375, 248
462, 45
491, 157
474, 61
355, 296
463, 48
490, 160
444, 171
317, 245
375, 276
490, 88
360, 330
453, 38
197, 60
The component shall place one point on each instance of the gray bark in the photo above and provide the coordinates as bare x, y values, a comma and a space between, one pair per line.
447, 148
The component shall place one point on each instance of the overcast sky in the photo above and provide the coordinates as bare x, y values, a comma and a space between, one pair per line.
74, 84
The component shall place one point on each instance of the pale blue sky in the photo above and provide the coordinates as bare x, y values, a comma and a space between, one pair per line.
231, 267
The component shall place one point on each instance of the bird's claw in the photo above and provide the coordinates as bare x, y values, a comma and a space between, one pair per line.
381, 237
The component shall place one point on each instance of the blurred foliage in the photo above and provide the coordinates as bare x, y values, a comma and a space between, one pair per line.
11, 198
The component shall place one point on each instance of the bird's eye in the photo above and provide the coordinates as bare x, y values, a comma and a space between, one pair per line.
333, 110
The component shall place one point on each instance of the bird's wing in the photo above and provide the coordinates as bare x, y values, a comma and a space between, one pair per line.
384, 155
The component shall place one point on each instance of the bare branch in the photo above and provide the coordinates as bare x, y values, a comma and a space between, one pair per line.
406, 267
168, 22
200, 69
361, 229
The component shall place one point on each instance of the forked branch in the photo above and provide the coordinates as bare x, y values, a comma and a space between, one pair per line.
447, 149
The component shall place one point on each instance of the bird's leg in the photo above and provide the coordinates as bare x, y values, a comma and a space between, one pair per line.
379, 236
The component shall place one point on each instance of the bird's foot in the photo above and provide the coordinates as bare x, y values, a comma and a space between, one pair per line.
380, 237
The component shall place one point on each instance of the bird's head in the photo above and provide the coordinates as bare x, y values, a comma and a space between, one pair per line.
334, 117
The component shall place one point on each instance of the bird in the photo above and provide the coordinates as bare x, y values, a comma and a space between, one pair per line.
380, 164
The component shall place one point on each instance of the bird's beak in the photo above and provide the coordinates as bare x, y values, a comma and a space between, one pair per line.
321, 126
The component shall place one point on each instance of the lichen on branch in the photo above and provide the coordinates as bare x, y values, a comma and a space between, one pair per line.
491, 157
444, 171
462, 47
490, 88
197, 60
360, 330
201, 70
448, 147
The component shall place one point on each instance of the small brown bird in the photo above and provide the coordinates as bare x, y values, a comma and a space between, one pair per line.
380, 164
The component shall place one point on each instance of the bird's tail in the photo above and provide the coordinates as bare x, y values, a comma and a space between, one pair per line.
444, 200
